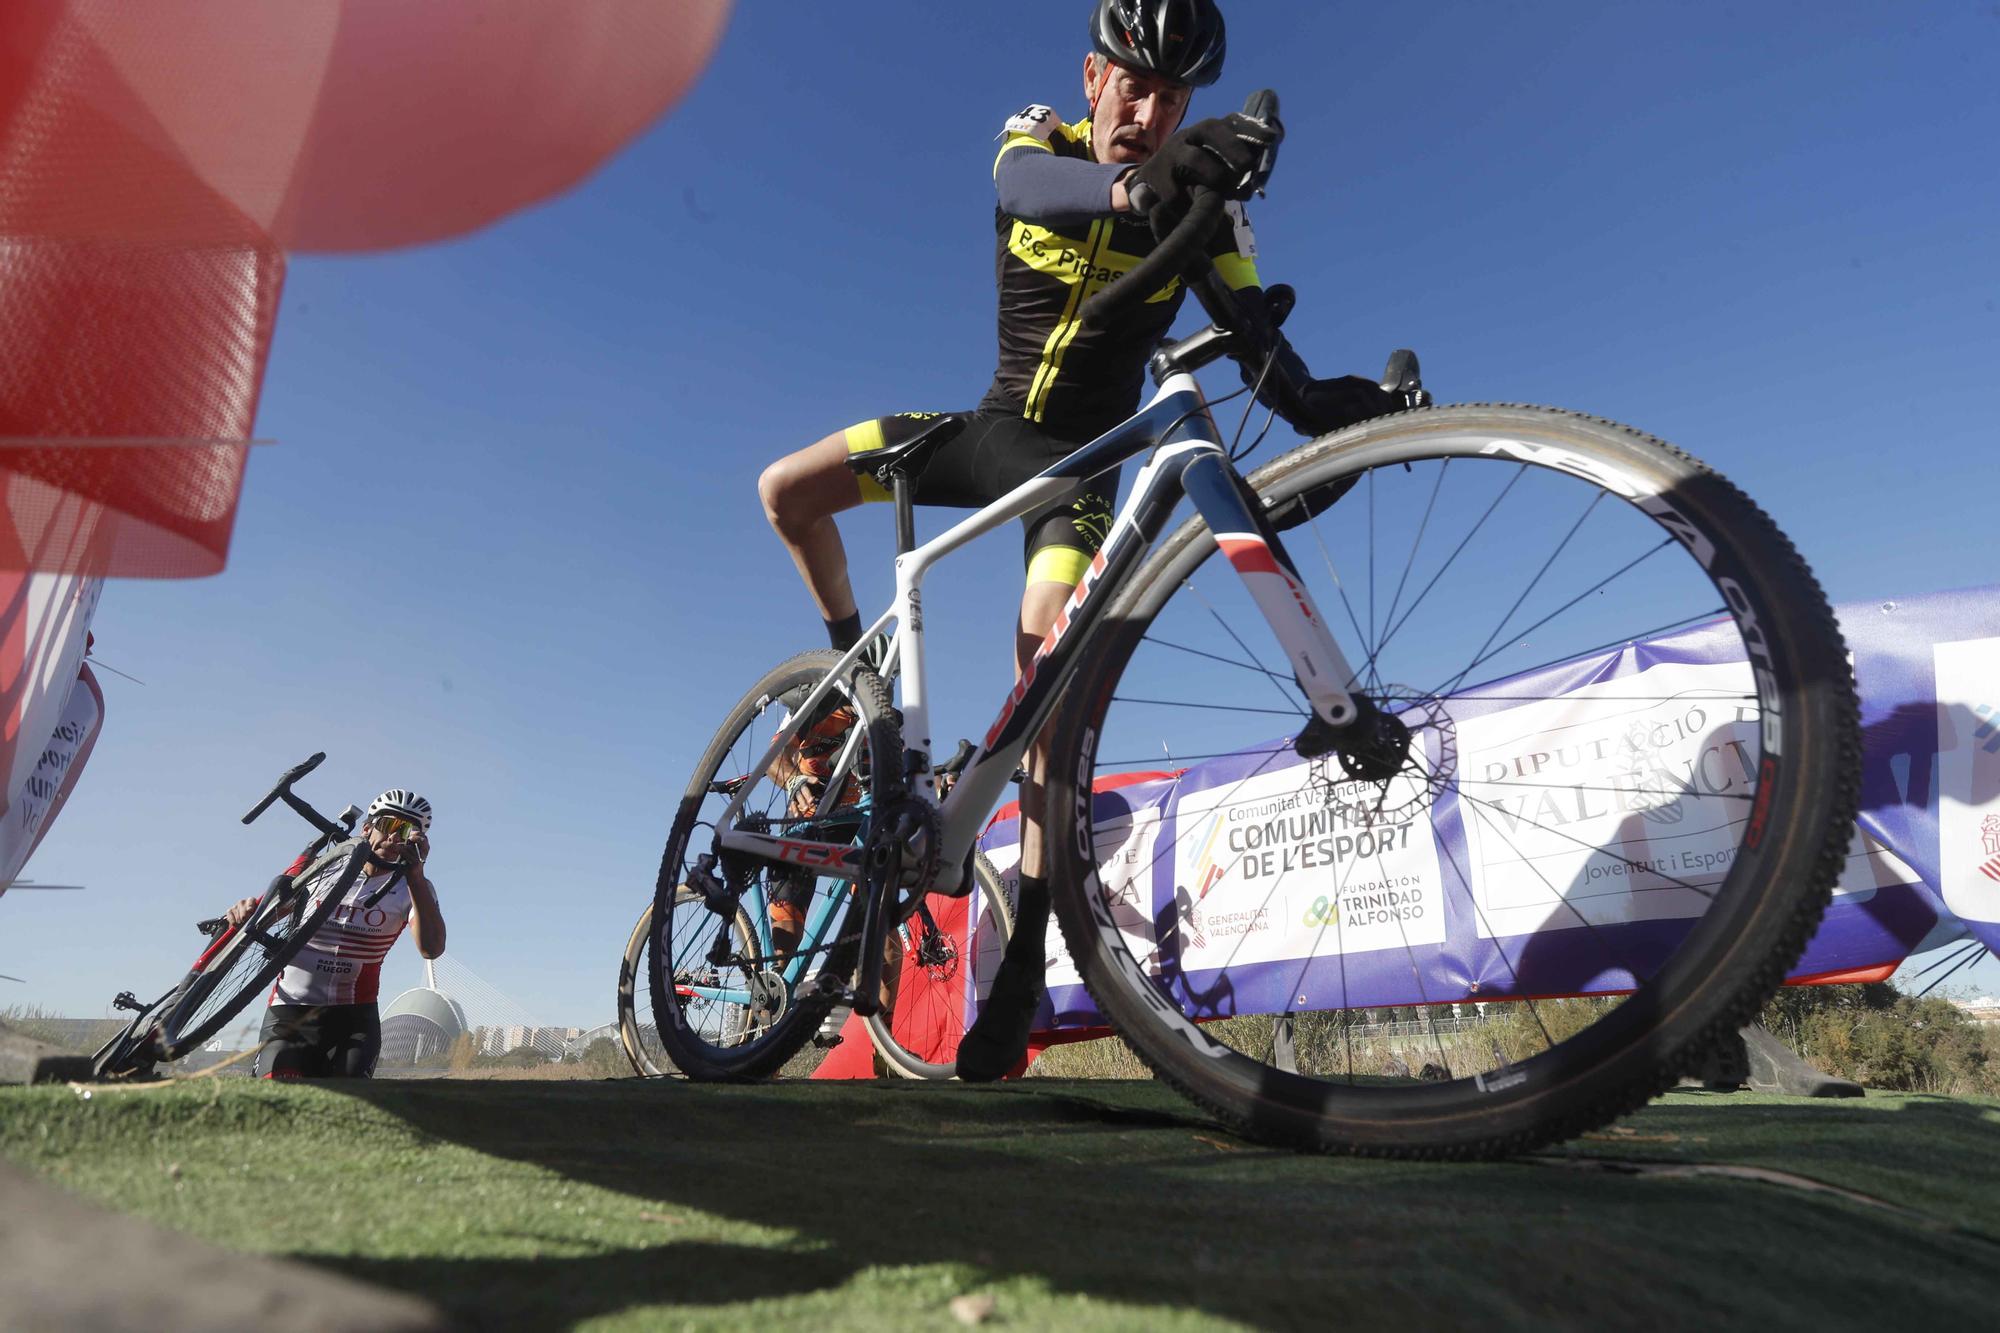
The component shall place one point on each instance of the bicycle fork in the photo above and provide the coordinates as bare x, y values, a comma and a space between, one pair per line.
1250, 542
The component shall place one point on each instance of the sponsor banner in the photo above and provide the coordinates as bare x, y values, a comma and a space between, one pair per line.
1269, 867
1622, 800
1968, 722
1599, 804
40, 797
49, 705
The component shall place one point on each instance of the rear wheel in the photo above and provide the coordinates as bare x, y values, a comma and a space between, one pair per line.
641, 1040
134, 1051
734, 974
1612, 790
939, 967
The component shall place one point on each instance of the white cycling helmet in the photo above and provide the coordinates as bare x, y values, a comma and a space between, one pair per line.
408, 804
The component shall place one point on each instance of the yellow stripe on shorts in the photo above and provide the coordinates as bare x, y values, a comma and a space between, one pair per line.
1058, 564
863, 439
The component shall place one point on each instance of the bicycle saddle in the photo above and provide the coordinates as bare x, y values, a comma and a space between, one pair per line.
908, 458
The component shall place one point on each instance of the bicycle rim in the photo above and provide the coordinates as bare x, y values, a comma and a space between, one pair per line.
640, 1040
131, 1050
730, 1002
1608, 839
942, 972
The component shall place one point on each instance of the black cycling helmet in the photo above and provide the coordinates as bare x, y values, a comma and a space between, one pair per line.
1182, 40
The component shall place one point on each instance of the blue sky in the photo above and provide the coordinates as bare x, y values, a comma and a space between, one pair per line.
507, 551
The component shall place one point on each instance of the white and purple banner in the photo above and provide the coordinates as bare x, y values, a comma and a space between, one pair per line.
1595, 802
50, 705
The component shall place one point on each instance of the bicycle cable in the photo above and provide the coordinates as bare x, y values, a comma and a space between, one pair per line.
1270, 359
1204, 406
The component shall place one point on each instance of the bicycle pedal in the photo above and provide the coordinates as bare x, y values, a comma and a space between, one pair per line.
814, 987
127, 1000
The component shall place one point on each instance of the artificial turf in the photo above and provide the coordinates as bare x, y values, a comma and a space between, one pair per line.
1079, 1205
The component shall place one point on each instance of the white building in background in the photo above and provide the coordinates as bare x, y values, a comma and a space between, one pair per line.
550, 1041
418, 1029
1984, 1011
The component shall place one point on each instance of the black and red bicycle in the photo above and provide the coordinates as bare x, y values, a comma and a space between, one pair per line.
241, 960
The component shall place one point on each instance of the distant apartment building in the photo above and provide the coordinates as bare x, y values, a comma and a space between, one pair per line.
1984, 1011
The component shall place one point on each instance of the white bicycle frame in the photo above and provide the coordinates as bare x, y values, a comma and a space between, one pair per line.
1187, 459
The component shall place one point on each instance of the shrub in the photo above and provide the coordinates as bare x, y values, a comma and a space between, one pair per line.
1882, 1038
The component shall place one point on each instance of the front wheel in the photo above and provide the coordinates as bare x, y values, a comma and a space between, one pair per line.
1610, 789
245, 959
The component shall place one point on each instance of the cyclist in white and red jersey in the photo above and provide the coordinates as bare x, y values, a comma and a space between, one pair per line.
322, 1020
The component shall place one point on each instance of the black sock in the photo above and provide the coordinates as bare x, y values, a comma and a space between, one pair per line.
1031, 920
998, 1038
845, 632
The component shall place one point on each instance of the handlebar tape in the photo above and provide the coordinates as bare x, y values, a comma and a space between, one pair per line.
1180, 248
1169, 258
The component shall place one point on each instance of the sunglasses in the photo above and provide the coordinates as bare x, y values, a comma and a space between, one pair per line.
394, 826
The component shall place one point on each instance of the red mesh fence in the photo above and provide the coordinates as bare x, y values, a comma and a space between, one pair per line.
157, 160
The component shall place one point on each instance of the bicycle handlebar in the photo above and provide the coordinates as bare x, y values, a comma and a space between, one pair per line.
330, 831
284, 786
1181, 250
1177, 250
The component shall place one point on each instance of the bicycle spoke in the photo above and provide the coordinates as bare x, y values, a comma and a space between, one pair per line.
1472, 900
1614, 791
1371, 677
1599, 586
1266, 671
1215, 657
1367, 647
1423, 526
1218, 708
1390, 631
1561, 546
1627, 861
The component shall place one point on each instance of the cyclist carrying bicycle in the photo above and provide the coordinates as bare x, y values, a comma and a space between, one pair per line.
1075, 203
322, 1020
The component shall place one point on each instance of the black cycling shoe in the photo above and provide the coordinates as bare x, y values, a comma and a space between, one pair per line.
998, 1038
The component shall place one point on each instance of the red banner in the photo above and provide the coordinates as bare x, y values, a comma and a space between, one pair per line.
158, 160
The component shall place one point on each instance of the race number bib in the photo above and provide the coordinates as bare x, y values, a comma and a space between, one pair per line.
1040, 121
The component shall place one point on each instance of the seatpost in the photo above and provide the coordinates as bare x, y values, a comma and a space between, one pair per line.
906, 517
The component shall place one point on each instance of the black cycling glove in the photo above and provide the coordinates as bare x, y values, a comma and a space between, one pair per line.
1317, 407
1333, 404
1220, 154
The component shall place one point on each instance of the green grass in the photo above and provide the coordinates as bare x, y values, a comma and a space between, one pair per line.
627, 1204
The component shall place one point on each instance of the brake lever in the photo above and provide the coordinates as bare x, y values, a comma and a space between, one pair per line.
1262, 110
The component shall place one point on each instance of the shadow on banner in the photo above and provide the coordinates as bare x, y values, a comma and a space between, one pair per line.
1923, 867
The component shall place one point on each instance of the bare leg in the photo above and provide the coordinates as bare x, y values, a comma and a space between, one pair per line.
1040, 605
998, 1038
801, 494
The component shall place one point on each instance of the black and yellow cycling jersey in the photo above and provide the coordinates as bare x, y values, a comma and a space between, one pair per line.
1061, 381
1078, 379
